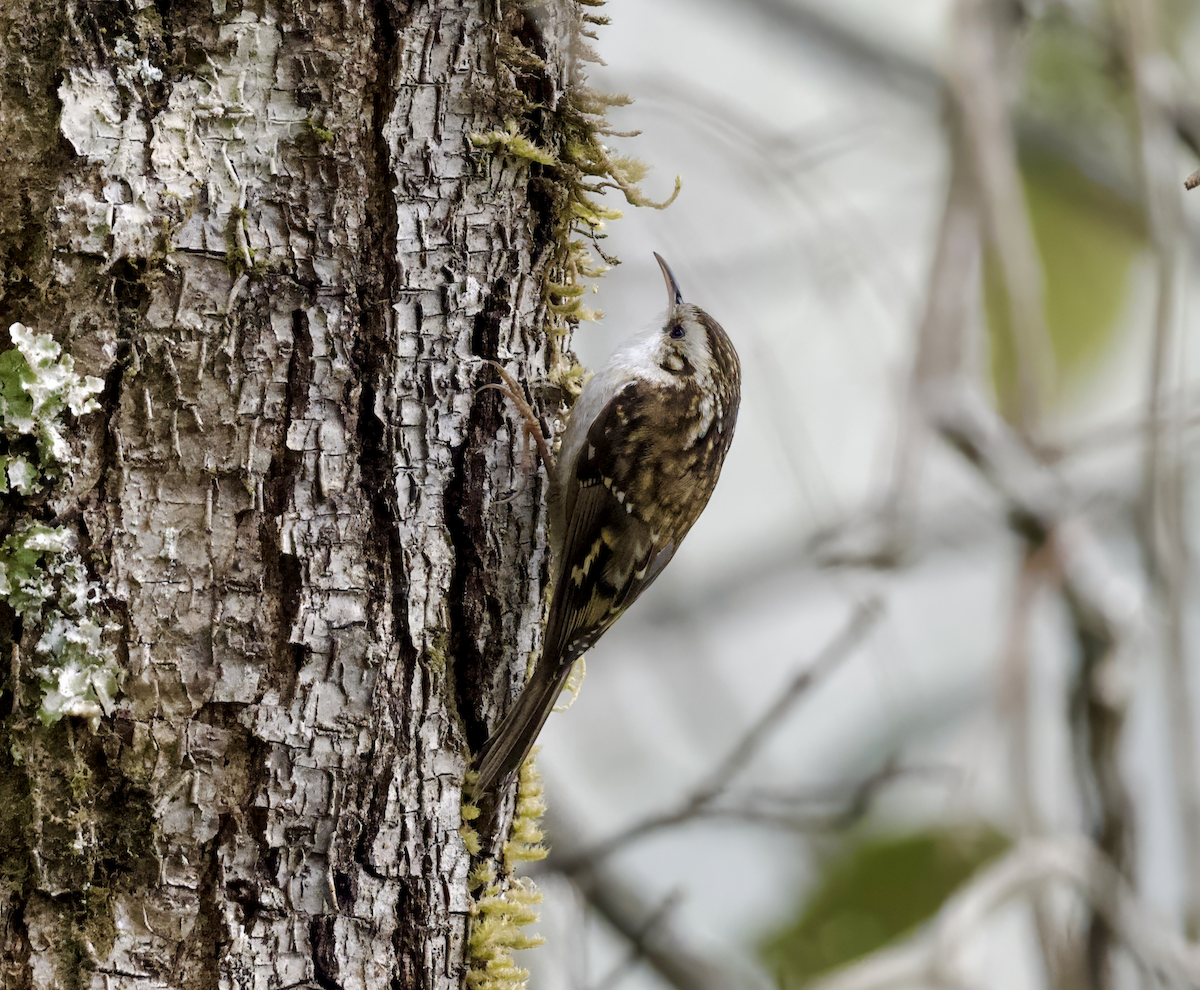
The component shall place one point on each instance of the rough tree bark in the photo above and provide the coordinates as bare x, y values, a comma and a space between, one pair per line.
263, 224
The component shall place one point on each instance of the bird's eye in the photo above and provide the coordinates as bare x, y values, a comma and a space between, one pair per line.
677, 332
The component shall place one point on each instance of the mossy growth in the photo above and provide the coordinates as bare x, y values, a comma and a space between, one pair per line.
239, 256
562, 138
503, 905
43, 579
574, 684
322, 134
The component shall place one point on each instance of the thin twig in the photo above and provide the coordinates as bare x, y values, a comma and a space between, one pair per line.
511, 390
665, 947
857, 803
714, 785
637, 946
861, 622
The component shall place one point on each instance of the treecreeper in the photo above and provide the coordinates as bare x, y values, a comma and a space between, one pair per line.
639, 459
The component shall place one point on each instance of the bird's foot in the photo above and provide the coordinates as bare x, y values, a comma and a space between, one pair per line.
531, 427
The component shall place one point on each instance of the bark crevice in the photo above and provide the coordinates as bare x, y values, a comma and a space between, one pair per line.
477, 643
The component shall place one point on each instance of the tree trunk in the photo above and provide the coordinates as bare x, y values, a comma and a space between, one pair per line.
265, 227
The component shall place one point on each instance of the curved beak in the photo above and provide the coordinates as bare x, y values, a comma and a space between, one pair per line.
674, 296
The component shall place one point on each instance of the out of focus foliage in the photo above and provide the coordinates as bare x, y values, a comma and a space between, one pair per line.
1088, 237
874, 892
1088, 230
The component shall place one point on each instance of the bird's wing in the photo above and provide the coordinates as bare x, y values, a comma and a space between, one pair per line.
609, 556
610, 553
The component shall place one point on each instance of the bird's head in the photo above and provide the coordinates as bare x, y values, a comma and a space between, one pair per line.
686, 349
691, 347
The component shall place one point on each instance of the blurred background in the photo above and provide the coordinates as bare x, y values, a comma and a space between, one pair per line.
917, 694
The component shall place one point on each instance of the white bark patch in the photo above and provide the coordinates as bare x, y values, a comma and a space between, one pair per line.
220, 137
119, 207
91, 114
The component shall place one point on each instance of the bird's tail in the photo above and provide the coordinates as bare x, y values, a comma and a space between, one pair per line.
507, 747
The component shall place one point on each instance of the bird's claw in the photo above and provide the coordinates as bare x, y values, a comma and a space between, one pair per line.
532, 427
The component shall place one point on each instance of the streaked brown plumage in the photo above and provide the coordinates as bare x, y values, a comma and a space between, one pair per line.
638, 462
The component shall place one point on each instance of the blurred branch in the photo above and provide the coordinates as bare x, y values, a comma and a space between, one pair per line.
1163, 533
979, 91
637, 946
1032, 865
786, 811
841, 795
658, 941
1111, 434
1039, 508
1103, 610
1061, 958
702, 798
954, 287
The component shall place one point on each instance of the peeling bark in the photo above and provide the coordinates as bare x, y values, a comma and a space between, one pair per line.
264, 226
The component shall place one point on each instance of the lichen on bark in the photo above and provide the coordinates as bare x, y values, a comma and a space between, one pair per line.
64, 641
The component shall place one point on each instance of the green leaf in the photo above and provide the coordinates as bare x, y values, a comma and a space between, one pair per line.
875, 892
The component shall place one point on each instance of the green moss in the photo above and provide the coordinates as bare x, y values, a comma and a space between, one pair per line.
80, 781
99, 924
524, 843
505, 904
322, 134
74, 966
571, 166
239, 257
437, 651
510, 141
16, 812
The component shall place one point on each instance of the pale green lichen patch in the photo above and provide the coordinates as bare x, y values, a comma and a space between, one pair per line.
43, 579
503, 904
37, 386
82, 677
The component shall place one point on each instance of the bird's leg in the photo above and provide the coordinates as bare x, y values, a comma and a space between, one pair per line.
511, 390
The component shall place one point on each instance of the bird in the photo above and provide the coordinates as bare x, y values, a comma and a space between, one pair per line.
639, 458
